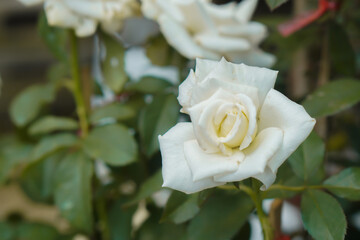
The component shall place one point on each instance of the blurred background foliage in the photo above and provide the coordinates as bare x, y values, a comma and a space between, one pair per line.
48, 189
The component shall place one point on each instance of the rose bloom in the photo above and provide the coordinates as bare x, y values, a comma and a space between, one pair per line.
241, 127
199, 28
84, 15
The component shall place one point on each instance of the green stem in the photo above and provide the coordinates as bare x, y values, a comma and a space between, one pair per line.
275, 187
264, 220
103, 219
255, 195
102, 213
295, 189
246, 189
77, 86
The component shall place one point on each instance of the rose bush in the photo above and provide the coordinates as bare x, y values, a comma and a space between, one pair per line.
199, 28
241, 127
84, 16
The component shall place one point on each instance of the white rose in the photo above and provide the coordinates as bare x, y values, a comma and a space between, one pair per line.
241, 127
84, 15
201, 29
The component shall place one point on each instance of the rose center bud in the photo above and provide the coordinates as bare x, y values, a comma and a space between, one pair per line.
232, 126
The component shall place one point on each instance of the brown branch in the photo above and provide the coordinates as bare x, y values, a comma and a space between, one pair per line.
275, 217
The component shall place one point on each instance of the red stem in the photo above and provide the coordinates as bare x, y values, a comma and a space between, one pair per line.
305, 19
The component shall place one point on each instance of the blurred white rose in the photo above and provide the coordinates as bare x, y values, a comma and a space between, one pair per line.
84, 15
241, 127
201, 29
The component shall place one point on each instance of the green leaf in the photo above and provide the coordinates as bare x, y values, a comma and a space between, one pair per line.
180, 207
244, 233
52, 123
12, 154
333, 97
59, 74
7, 231
162, 54
322, 216
27, 231
345, 184
284, 177
120, 221
150, 186
27, 105
152, 230
36, 231
205, 195
275, 3
55, 38
308, 158
111, 143
148, 85
116, 111
53, 143
342, 54
158, 51
113, 66
73, 190
221, 217
37, 180
155, 119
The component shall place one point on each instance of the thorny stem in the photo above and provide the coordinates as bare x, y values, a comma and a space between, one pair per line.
77, 88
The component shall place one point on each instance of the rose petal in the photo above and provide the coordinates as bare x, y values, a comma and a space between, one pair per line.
93, 9
104, 11
254, 57
176, 172
87, 28
178, 37
203, 68
253, 31
202, 115
261, 78
257, 155
245, 10
279, 111
208, 87
224, 71
31, 2
111, 26
196, 18
204, 165
251, 110
215, 42
185, 91
218, 30
221, 14
58, 14
150, 9
171, 9
202, 118
267, 178
234, 128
